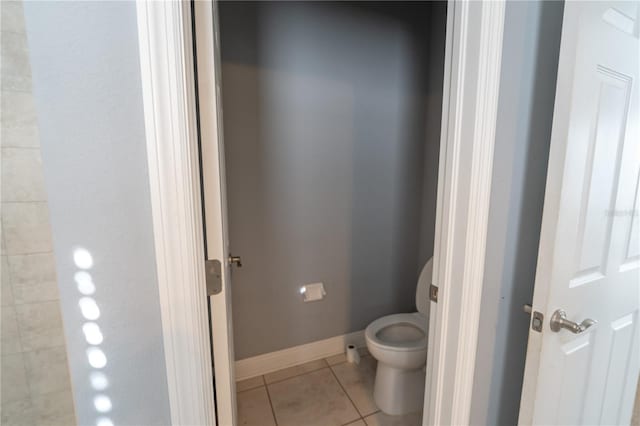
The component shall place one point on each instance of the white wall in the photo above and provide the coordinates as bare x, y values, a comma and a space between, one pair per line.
88, 96
525, 113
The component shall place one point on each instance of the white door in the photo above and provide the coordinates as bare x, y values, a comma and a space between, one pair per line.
215, 206
589, 255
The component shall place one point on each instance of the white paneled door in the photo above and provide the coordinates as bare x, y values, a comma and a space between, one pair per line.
589, 255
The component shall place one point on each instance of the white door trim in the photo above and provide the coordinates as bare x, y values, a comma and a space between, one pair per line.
215, 208
166, 60
472, 83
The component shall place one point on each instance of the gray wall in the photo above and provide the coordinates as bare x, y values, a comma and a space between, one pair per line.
525, 114
86, 77
327, 112
435, 74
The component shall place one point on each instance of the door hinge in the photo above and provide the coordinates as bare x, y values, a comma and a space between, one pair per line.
213, 276
433, 293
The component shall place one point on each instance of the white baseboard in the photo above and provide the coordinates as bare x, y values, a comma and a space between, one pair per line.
273, 361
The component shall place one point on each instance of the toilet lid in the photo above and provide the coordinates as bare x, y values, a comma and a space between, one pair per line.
422, 289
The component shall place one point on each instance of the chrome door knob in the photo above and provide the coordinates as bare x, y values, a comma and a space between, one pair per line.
559, 321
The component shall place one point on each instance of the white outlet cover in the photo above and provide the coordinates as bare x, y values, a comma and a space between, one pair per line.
312, 292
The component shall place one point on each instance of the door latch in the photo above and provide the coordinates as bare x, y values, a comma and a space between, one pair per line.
433, 293
213, 276
537, 321
235, 259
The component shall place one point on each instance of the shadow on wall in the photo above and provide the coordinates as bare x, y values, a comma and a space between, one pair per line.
324, 123
522, 149
529, 219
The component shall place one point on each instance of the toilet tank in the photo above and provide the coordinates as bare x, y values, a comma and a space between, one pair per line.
422, 289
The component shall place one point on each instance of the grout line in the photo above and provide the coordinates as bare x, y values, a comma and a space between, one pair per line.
264, 381
32, 148
23, 357
330, 368
346, 393
35, 253
353, 421
21, 303
300, 374
32, 252
337, 363
295, 375
15, 32
252, 388
273, 411
13, 90
23, 201
375, 412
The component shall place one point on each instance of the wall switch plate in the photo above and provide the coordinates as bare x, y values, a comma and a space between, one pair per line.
312, 292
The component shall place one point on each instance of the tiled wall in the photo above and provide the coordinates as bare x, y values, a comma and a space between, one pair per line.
35, 378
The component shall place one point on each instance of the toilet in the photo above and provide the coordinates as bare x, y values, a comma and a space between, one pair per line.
399, 343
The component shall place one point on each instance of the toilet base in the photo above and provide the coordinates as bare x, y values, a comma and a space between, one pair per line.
399, 391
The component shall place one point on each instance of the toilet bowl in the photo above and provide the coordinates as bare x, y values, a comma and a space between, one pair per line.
399, 343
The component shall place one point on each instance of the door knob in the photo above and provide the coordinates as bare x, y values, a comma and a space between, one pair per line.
235, 259
559, 320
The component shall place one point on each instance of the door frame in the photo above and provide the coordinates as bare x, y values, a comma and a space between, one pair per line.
470, 99
473, 59
168, 89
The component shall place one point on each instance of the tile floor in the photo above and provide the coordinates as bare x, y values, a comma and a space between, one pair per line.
326, 392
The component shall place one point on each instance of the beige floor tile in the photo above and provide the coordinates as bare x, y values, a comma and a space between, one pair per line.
26, 228
382, 419
54, 409
358, 422
9, 332
14, 82
33, 278
254, 408
251, 383
15, 57
40, 325
296, 370
47, 371
18, 413
14, 378
25, 135
358, 381
22, 176
19, 121
3, 249
313, 399
336, 359
12, 16
7, 292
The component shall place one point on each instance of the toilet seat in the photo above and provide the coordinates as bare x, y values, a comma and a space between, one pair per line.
403, 342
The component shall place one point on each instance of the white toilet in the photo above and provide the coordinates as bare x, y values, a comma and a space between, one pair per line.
399, 343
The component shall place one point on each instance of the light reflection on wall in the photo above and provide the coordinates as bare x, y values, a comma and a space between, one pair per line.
96, 357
